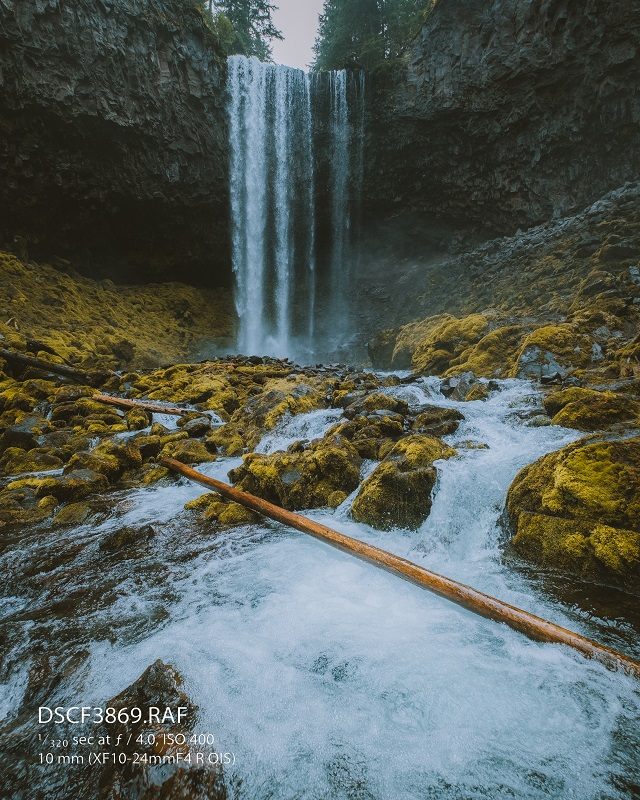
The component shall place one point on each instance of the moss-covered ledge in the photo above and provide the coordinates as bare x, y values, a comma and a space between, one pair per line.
578, 510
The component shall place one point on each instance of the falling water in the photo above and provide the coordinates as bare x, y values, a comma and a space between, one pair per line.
274, 114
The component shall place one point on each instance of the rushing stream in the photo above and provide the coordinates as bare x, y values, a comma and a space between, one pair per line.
327, 677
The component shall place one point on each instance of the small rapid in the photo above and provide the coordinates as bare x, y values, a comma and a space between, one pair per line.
329, 678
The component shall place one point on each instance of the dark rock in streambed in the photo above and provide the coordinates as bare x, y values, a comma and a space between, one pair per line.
127, 537
437, 421
156, 773
196, 427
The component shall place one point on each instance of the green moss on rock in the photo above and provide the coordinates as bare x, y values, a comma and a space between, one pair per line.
397, 494
578, 510
301, 480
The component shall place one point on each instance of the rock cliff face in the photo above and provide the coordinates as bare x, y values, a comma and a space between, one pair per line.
113, 144
508, 112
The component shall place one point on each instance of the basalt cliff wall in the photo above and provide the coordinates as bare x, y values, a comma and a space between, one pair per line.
113, 142
509, 112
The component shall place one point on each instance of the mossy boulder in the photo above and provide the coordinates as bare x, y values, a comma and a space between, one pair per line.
578, 510
437, 421
187, 451
397, 494
554, 350
109, 459
73, 486
445, 340
227, 440
494, 355
15, 461
74, 514
138, 419
589, 410
24, 432
19, 505
376, 402
302, 479
224, 513
369, 432
195, 425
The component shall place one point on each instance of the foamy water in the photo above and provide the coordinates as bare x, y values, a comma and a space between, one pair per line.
329, 678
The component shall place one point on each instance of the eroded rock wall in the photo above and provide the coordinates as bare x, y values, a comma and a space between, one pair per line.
113, 143
508, 112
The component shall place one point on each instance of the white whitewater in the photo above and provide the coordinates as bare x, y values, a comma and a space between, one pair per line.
331, 679
273, 200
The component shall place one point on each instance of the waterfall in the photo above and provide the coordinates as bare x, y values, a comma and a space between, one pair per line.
278, 136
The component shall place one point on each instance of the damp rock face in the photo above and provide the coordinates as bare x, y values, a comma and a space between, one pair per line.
578, 510
126, 104
474, 113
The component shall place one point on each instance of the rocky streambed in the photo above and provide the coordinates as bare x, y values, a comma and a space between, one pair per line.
296, 659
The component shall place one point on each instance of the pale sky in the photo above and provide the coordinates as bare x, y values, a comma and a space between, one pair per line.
298, 21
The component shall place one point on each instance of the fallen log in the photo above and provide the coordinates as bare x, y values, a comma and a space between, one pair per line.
483, 604
79, 375
155, 408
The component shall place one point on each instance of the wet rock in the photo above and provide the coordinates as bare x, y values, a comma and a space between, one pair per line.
376, 402
149, 446
479, 391
369, 432
187, 451
301, 480
159, 775
336, 499
226, 439
138, 419
553, 350
588, 410
196, 427
224, 513
154, 474
127, 537
21, 506
109, 459
74, 514
578, 510
437, 421
70, 487
397, 494
25, 433
458, 387
15, 461
158, 429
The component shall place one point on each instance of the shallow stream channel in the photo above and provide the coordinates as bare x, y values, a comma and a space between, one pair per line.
325, 676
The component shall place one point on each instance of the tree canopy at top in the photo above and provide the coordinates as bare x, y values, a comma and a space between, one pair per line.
243, 26
366, 32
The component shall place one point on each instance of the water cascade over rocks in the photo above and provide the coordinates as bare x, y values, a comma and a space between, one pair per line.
296, 173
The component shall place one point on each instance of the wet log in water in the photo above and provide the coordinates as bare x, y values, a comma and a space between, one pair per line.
155, 408
486, 606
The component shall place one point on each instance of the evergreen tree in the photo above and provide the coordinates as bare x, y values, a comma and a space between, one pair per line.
252, 25
365, 32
